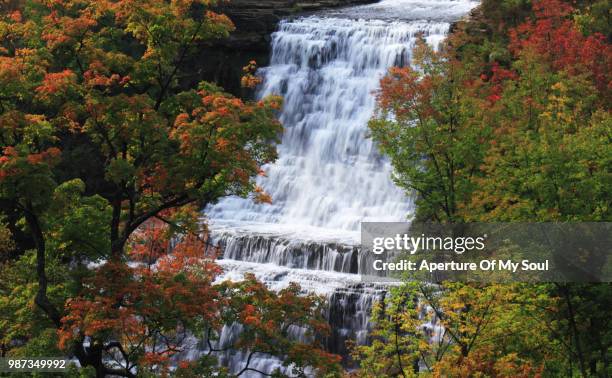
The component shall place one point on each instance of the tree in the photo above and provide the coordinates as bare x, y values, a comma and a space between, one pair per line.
140, 315
549, 158
487, 330
270, 321
538, 79
104, 138
424, 126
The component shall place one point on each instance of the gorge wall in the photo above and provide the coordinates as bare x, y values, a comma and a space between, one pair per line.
255, 21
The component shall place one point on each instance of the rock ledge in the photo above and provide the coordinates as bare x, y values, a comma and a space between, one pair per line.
255, 20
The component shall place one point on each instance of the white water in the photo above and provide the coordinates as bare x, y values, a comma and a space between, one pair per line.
329, 176
410, 10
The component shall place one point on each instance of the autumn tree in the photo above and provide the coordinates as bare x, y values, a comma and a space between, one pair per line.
105, 137
423, 110
461, 330
549, 159
510, 122
270, 322
168, 299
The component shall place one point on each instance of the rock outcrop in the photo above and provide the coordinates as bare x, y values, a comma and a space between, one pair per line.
255, 20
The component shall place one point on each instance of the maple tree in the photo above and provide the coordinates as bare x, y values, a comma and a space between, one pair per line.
167, 296
109, 146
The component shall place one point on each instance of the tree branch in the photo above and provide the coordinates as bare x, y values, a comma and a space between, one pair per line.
39, 240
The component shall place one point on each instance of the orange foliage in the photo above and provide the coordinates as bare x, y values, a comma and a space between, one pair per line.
156, 295
56, 82
261, 196
556, 38
250, 80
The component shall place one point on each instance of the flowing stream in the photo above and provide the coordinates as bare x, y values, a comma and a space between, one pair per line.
329, 176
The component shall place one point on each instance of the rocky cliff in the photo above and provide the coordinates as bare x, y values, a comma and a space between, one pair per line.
255, 21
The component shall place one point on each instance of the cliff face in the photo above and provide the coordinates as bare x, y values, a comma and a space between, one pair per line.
222, 61
255, 20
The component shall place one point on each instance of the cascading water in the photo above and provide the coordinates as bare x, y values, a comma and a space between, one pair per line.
329, 176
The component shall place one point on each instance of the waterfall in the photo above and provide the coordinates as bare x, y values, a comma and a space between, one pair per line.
329, 176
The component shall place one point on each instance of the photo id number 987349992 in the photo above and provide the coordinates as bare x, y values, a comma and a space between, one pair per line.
36, 364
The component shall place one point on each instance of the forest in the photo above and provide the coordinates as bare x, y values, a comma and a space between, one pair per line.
513, 117
111, 146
